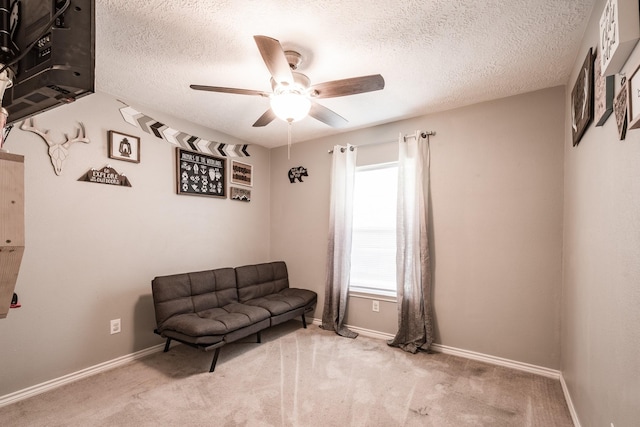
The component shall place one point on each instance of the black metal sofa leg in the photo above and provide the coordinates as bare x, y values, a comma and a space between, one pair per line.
166, 346
215, 359
217, 352
304, 321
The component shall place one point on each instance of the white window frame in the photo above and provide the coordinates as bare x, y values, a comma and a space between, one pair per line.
361, 291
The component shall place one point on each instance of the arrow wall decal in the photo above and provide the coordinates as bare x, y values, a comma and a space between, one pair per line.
173, 136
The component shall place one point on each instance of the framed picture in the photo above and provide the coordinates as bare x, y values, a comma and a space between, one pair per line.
633, 100
619, 32
603, 91
582, 100
124, 147
199, 174
620, 111
241, 194
241, 173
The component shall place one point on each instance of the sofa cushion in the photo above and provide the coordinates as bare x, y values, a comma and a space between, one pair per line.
210, 340
189, 293
256, 281
215, 321
286, 300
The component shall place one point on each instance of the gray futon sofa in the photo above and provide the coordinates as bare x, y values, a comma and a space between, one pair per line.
208, 309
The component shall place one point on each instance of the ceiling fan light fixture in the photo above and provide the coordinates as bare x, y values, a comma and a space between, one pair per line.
293, 96
290, 106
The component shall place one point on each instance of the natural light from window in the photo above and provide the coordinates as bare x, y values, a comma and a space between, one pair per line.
373, 252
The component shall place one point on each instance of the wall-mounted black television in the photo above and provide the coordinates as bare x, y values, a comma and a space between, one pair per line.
50, 45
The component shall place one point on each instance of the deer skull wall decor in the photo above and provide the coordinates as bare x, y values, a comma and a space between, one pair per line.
58, 151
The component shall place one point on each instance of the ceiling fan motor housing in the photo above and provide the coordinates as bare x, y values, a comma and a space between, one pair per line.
293, 58
300, 84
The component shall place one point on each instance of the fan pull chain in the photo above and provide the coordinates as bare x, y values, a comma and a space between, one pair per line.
289, 141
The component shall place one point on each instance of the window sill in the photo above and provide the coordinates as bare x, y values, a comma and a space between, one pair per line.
372, 294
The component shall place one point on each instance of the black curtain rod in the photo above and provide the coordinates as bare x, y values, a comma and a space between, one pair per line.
422, 135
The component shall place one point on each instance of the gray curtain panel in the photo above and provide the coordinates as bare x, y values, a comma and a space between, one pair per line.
339, 246
413, 262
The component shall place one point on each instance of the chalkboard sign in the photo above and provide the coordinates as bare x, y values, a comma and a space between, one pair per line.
201, 174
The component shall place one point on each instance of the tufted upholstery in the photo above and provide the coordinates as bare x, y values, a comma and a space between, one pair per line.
185, 295
267, 286
258, 280
207, 309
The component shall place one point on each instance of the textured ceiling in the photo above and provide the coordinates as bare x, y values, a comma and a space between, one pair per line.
433, 54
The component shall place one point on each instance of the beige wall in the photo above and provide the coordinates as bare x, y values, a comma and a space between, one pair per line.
497, 216
601, 291
92, 249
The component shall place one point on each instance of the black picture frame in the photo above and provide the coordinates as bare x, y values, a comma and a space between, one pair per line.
199, 174
582, 99
124, 147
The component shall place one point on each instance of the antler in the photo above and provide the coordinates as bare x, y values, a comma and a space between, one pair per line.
58, 152
30, 127
80, 137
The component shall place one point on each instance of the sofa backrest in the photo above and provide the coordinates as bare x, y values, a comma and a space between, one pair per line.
255, 281
193, 292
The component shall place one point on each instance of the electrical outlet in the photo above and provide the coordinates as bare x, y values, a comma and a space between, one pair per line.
115, 326
375, 306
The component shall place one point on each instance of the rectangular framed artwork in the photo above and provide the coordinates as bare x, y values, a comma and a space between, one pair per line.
603, 92
619, 33
241, 173
582, 99
620, 111
200, 174
240, 194
633, 100
124, 147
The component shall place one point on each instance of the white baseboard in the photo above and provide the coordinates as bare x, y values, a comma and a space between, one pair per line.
439, 348
567, 397
494, 360
75, 376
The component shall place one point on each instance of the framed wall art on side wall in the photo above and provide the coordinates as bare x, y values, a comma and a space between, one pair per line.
582, 99
620, 111
619, 32
633, 100
603, 93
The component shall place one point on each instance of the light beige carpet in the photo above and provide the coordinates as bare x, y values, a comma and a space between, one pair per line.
299, 377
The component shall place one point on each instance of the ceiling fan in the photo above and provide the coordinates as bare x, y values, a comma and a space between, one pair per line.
293, 95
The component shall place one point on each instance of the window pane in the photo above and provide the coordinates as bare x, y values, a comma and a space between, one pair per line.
373, 256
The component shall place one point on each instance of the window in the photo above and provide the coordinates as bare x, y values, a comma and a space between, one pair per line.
373, 252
